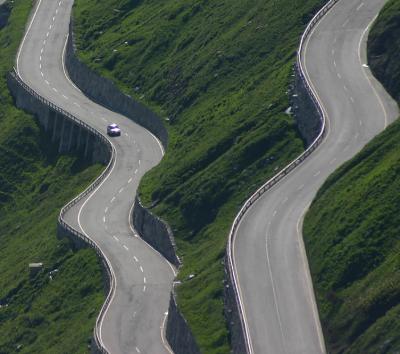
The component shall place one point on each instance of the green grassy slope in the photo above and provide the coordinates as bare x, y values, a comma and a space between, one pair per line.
383, 48
39, 314
217, 72
352, 231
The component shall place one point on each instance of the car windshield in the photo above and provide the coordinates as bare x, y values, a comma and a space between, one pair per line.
113, 126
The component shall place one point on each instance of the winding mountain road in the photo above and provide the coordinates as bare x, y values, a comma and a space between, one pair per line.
135, 319
270, 260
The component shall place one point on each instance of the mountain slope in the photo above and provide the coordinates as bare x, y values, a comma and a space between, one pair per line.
218, 73
352, 228
46, 313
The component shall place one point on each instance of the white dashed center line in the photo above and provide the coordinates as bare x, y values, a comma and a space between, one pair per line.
104, 219
144, 280
112, 200
316, 174
360, 6
116, 238
141, 269
126, 248
47, 34
137, 349
134, 257
54, 89
351, 99
65, 97
121, 190
106, 210
48, 83
130, 180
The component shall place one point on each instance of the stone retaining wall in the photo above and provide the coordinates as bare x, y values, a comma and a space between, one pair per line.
178, 333
305, 112
5, 11
155, 232
70, 136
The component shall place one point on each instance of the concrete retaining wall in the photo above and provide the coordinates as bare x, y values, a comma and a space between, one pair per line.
5, 11
236, 337
60, 126
104, 92
178, 333
305, 112
155, 232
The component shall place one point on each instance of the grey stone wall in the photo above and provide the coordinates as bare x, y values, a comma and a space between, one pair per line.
5, 11
305, 112
155, 232
69, 134
178, 333
104, 92
232, 317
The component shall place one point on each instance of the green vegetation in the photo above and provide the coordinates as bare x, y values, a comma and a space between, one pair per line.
383, 48
39, 314
217, 72
352, 231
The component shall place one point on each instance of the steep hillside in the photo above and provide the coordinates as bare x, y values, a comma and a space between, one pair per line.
218, 73
352, 231
46, 313
383, 48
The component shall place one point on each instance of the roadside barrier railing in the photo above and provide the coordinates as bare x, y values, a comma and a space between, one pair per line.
61, 221
280, 175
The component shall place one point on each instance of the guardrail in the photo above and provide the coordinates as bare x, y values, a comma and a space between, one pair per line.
280, 175
62, 223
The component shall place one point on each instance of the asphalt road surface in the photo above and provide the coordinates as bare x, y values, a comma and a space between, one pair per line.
268, 250
135, 319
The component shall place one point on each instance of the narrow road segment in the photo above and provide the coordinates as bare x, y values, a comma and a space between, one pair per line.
271, 263
134, 321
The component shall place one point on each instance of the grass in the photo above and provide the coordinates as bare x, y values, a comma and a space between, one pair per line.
39, 314
352, 230
217, 73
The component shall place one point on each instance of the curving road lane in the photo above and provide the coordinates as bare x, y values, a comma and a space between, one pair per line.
269, 254
135, 320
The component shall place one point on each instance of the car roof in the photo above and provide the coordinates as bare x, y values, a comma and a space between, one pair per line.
113, 125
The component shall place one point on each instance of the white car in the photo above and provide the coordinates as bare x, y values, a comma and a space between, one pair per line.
113, 130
